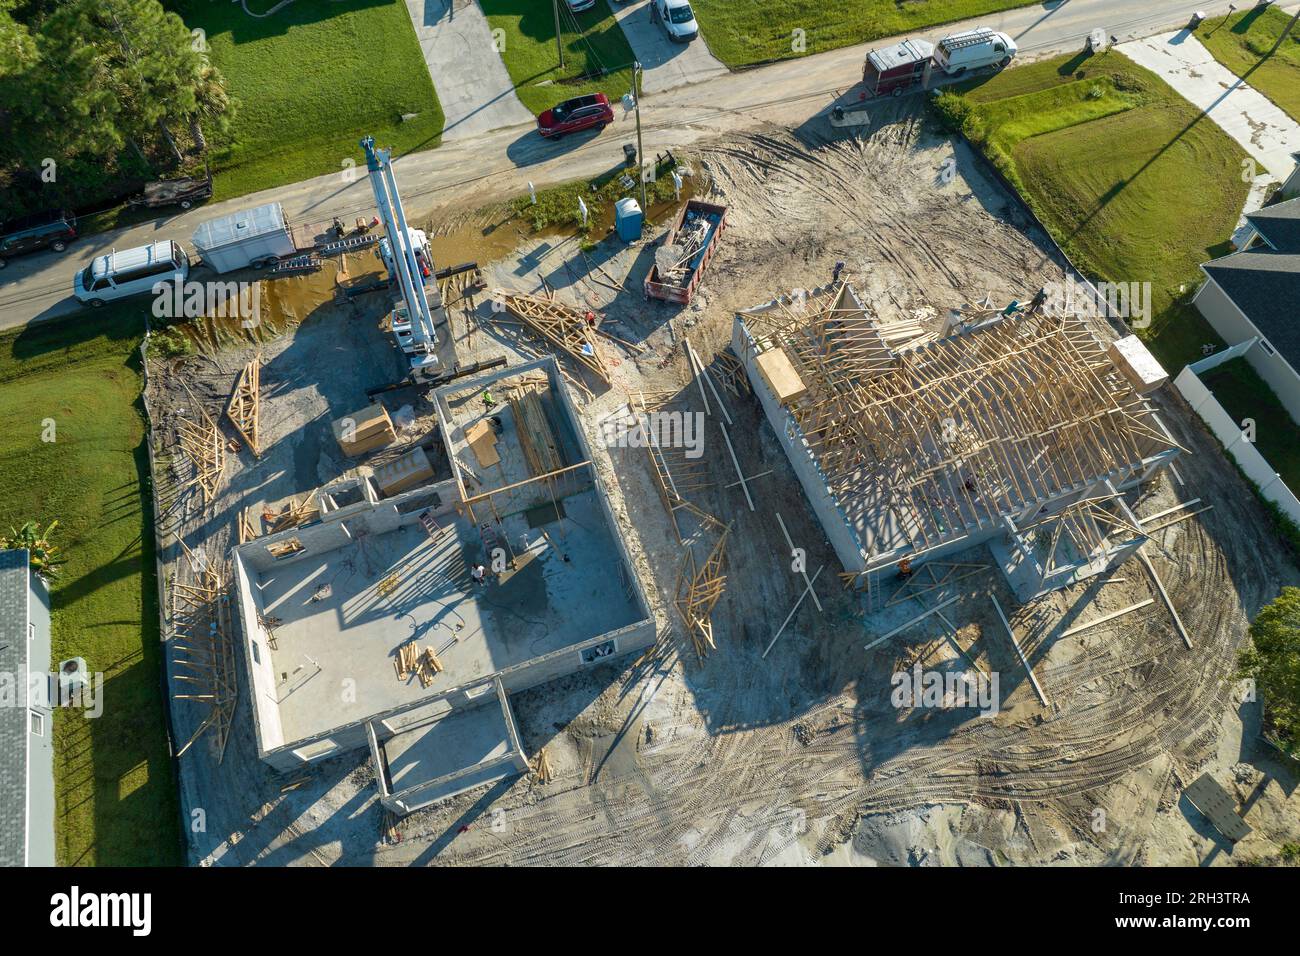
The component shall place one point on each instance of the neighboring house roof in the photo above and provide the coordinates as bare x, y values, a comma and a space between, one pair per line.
1279, 224
1265, 286
14, 590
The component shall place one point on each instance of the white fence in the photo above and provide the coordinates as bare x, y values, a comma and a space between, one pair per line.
1229, 432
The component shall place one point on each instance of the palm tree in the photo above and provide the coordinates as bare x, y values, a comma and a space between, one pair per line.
42, 555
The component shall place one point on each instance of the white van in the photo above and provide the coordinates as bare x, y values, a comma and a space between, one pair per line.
119, 275
973, 50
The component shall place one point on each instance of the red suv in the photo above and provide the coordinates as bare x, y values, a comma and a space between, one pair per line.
581, 112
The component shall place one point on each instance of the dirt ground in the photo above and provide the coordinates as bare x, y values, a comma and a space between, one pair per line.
799, 757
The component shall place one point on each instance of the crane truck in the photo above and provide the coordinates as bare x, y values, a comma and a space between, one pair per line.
414, 321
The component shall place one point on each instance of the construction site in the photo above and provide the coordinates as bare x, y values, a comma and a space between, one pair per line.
517, 549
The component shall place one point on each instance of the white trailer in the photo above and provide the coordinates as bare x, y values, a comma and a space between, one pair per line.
258, 237
973, 50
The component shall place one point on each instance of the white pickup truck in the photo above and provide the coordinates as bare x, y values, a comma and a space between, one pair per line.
973, 50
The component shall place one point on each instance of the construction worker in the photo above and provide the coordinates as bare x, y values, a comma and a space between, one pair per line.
835, 273
478, 574
488, 400
1036, 303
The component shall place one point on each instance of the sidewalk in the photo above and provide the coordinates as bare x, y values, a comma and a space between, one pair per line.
472, 83
1262, 129
666, 64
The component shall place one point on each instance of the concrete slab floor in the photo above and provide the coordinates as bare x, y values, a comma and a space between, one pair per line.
334, 625
463, 738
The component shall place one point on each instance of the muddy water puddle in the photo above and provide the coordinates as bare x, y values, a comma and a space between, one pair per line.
282, 303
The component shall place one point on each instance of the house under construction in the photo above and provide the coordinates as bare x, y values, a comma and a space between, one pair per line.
368, 625
912, 446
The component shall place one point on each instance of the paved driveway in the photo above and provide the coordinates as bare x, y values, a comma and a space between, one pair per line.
1263, 130
472, 83
666, 64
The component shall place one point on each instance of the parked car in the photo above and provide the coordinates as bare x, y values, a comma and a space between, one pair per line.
46, 230
579, 113
578, 6
119, 275
973, 50
677, 17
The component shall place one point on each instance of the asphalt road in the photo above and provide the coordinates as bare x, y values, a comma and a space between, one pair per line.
499, 164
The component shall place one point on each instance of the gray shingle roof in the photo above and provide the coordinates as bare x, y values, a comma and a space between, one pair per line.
13, 719
1265, 286
1279, 224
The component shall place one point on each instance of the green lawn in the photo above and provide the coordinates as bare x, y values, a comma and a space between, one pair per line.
1131, 180
742, 32
117, 801
1240, 42
597, 57
311, 80
1243, 394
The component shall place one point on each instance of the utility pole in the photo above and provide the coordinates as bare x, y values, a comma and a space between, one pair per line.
640, 153
559, 47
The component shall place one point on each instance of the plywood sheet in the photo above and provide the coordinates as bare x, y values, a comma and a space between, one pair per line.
483, 442
364, 431
781, 376
410, 470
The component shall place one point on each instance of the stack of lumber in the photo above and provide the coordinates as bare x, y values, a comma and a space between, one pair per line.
408, 471
537, 438
364, 431
541, 767
424, 664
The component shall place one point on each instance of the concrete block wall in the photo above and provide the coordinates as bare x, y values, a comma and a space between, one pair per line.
833, 520
257, 660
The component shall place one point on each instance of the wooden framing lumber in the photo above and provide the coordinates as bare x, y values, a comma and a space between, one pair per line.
1107, 617
934, 441
562, 326
1006, 626
1164, 595
699, 588
243, 408
202, 652
808, 589
790, 544
916, 620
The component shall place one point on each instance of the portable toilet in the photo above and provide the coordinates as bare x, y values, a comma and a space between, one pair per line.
628, 219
